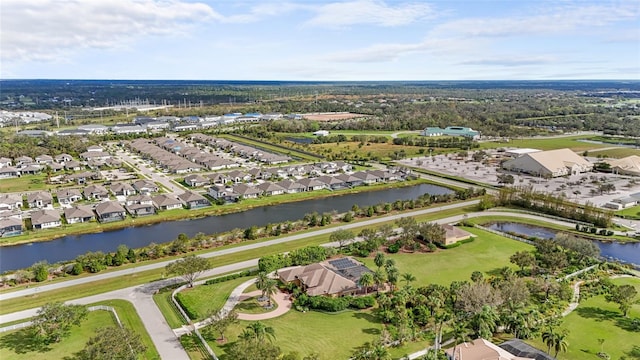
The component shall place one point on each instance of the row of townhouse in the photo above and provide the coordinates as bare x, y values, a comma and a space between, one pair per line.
11, 223
241, 150
255, 174
207, 160
163, 158
341, 181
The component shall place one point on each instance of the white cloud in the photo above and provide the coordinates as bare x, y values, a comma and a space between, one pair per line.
553, 21
512, 61
48, 29
264, 10
373, 12
391, 51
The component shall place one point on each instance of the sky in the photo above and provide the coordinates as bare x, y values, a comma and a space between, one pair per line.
320, 39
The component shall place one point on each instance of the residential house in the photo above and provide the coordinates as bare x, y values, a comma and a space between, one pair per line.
40, 199
109, 211
337, 277
31, 169
63, 158
481, 349
193, 200
454, 234
44, 159
290, 186
79, 214
166, 202
122, 189
23, 161
218, 179
350, 180
145, 186
223, 193
10, 227
4, 162
9, 172
196, 180
45, 219
238, 176
68, 196
246, 191
332, 182
141, 209
311, 184
10, 202
95, 148
72, 165
95, 155
95, 192
83, 177
366, 177
268, 188
55, 167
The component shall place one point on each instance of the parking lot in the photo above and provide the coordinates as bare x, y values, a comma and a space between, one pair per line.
581, 188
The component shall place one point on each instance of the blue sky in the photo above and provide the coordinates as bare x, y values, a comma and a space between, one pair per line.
320, 40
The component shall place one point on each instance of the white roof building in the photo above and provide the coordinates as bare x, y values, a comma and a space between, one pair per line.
551, 163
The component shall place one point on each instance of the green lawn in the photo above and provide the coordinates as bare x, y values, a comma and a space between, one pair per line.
16, 345
597, 319
632, 212
168, 308
616, 153
570, 142
486, 253
252, 306
206, 299
333, 336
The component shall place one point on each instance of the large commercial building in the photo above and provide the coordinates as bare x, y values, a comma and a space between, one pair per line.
451, 131
551, 163
629, 165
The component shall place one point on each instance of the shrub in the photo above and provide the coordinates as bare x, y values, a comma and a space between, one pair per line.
231, 277
393, 248
191, 313
362, 302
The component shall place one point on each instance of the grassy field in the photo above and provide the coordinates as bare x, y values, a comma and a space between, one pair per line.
19, 344
252, 306
350, 149
276, 149
24, 183
486, 253
632, 212
168, 309
616, 153
597, 319
208, 299
570, 142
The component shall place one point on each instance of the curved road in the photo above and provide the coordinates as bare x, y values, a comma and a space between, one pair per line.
162, 335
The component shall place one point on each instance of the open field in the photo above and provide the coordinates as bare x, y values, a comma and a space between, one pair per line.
597, 319
486, 253
353, 150
276, 149
615, 153
332, 116
630, 213
547, 144
209, 299
16, 345
19, 345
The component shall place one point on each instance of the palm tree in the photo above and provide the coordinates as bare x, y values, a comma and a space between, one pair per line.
459, 334
269, 288
548, 337
379, 260
259, 332
365, 281
379, 277
560, 343
392, 276
485, 322
408, 278
261, 280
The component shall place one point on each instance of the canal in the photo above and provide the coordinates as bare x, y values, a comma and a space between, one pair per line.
69, 247
627, 252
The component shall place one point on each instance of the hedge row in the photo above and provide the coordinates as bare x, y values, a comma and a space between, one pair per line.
185, 305
333, 304
221, 279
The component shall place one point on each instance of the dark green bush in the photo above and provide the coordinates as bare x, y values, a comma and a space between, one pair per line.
191, 313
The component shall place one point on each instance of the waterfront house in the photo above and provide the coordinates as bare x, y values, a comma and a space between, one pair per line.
193, 200
332, 183
109, 211
366, 177
311, 184
79, 214
140, 209
166, 202
45, 219
268, 188
10, 227
246, 191
290, 186
223, 193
